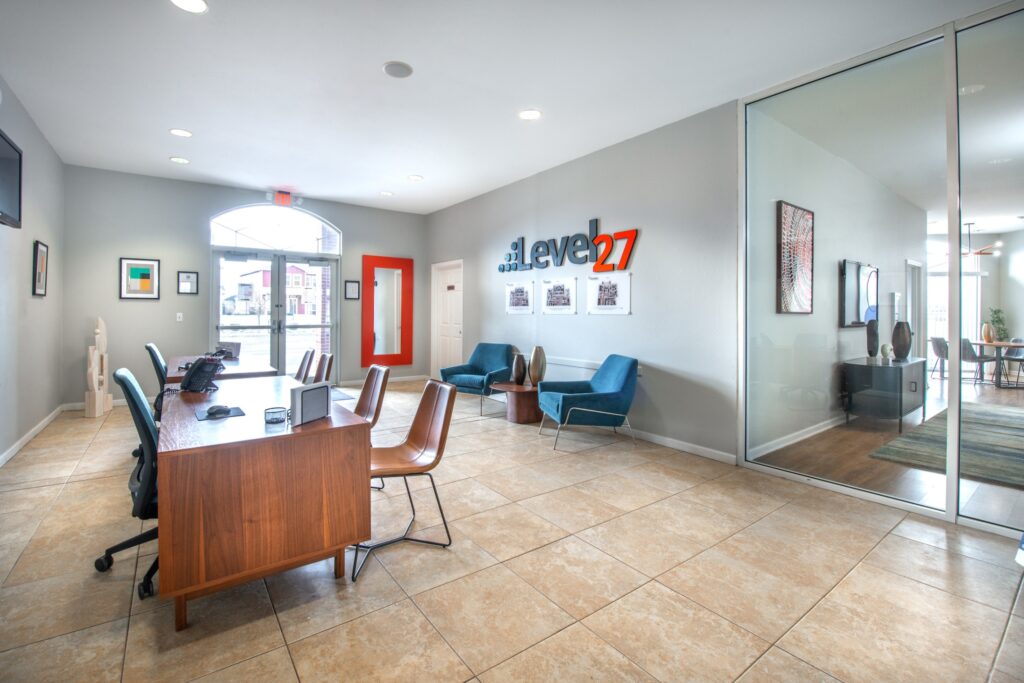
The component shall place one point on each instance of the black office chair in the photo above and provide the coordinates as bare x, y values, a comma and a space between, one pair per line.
142, 482
160, 366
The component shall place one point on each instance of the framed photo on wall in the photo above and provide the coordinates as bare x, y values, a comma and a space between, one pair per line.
558, 296
352, 290
794, 287
519, 298
188, 282
609, 293
40, 263
140, 278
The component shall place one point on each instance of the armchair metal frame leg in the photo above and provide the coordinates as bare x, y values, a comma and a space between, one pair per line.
568, 421
357, 566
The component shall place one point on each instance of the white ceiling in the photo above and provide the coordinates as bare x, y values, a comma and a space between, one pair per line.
888, 118
291, 94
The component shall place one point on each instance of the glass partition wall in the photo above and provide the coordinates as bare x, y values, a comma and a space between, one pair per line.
990, 72
864, 339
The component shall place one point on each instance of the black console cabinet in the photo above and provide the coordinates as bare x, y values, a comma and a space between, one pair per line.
886, 390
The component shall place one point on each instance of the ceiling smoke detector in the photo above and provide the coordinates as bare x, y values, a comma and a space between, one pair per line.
397, 69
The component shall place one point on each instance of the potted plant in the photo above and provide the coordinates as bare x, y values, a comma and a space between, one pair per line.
998, 322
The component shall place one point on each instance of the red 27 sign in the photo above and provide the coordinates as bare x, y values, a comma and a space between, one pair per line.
606, 243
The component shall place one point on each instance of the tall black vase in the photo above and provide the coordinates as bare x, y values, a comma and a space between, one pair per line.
872, 328
901, 338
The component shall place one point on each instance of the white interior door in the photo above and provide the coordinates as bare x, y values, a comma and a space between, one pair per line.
447, 340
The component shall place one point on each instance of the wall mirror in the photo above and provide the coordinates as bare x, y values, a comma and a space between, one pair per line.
858, 301
387, 311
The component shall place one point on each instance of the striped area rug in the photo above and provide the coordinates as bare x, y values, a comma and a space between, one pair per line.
991, 444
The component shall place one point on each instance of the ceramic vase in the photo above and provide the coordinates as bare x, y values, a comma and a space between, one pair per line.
538, 365
872, 328
901, 338
987, 333
519, 368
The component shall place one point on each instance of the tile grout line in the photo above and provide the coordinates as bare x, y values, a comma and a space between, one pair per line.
1006, 629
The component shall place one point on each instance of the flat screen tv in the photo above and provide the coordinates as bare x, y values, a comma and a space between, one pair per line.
10, 182
858, 295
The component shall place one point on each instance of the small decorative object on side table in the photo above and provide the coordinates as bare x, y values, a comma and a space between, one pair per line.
901, 340
519, 369
538, 365
521, 405
872, 329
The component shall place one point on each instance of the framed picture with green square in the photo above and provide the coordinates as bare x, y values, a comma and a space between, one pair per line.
140, 278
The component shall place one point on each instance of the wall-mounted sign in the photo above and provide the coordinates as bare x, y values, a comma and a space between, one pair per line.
594, 247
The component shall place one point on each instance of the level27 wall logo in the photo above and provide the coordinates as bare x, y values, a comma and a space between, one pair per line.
593, 247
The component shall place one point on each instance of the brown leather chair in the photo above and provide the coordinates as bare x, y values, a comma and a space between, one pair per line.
302, 374
371, 398
323, 367
420, 453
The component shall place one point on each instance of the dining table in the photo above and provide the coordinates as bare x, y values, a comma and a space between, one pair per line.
1000, 348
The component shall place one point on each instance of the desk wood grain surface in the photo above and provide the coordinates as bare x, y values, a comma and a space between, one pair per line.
240, 499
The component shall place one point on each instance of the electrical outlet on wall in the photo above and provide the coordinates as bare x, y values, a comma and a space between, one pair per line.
179, 317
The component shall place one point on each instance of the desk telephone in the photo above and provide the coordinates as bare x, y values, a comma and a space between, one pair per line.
201, 373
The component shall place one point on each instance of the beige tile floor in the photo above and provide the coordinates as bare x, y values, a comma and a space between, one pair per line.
599, 561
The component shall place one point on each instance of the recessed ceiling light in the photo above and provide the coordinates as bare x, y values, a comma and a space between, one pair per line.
386, 193
1000, 162
193, 6
397, 69
530, 114
971, 89
415, 178
179, 160
180, 132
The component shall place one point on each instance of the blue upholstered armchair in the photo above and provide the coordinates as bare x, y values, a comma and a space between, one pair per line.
604, 401
489, 363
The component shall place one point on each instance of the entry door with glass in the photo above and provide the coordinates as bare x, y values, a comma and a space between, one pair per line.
276, 306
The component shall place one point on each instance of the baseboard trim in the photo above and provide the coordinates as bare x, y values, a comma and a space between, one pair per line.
20, 443
679, 445
793, 438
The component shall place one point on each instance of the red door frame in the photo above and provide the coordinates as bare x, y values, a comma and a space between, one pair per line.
370, 264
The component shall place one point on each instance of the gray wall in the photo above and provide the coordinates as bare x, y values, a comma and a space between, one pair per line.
31, 330
793, 371
677, 185
1011, 281
110, 215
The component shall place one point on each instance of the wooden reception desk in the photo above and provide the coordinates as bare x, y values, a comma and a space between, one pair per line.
240, 499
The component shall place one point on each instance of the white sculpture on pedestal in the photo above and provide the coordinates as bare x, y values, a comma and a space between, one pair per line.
98, 399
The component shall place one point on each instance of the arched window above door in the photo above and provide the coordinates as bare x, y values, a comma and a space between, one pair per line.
274, 228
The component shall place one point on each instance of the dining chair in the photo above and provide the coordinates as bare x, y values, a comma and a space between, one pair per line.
324, 367
302, 374
940, 347
1015, 355
969, 355
416, 457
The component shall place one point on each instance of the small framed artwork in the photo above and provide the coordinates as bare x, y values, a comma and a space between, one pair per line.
188, 282
558, 296
140, 278
794, 288
40, 262
352, 290
519, 298
609, 293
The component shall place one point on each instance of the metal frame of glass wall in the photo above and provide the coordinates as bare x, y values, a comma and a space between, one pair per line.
948, 34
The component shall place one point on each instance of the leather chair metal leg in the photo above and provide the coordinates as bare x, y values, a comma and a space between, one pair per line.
357, 566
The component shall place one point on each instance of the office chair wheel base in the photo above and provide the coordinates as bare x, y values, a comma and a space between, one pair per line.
146, 590
104, 563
